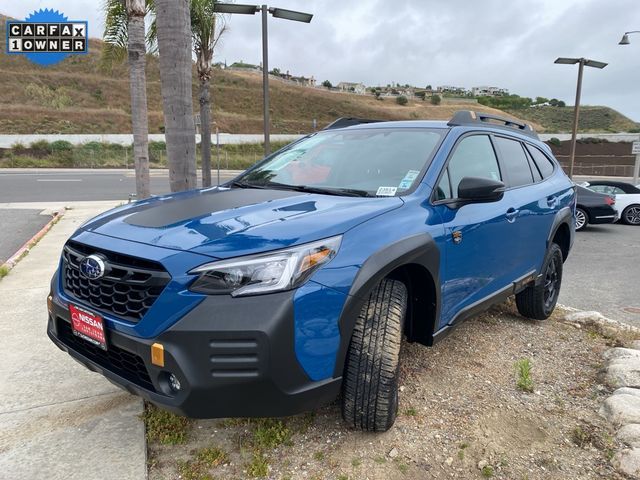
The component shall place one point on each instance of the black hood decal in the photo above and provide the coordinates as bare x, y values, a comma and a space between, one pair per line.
171, 211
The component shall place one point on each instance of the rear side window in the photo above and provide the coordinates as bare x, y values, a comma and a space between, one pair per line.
537, 176
514, 162
542, 162
473, 157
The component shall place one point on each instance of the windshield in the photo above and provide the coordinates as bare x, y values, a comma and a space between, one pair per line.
368, 162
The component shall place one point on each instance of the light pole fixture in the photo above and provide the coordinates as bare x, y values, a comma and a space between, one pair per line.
636, 166
234, 8
625, 37
582, 62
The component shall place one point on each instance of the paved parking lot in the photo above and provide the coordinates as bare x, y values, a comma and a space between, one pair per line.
16, 227
603, 272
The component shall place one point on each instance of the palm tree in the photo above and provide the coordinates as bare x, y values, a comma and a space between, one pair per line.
124, 31
174, 45
205, 38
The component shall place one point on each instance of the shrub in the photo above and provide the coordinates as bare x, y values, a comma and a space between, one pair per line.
18, 147
41, 146
402, 100
435, 99
61, 146
555, 141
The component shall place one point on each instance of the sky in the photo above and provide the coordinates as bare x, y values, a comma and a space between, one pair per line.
504, 43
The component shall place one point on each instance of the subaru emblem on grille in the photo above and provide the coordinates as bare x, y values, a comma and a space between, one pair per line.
92, 267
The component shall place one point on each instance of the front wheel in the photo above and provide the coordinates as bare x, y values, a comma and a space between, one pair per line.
370, 384
582, 219
538, 301
631, 215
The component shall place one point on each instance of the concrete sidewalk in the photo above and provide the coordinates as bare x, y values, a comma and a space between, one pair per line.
57, 419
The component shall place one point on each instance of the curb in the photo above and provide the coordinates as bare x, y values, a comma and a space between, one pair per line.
26, 247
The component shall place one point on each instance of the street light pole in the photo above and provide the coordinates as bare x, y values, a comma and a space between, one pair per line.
576, 117
235, 8
636, 166
265, 82
576, 109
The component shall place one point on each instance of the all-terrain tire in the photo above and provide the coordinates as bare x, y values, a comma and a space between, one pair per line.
539, 301
370, 384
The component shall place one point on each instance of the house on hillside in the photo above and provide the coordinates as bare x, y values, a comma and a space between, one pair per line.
451, 90
489, 92
358, 88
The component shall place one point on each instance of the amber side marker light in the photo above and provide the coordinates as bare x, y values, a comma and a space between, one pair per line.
50, 304
157, 354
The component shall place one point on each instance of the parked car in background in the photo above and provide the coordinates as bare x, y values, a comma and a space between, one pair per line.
627, 198
594, 208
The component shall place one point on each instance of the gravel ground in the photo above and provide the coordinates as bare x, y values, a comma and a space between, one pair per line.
461, 416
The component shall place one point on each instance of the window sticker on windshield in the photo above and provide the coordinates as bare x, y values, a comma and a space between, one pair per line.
411, 175
386, 191
405, 185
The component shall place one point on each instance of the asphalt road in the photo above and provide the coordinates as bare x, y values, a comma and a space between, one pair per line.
602, 272
79, 185
17, 227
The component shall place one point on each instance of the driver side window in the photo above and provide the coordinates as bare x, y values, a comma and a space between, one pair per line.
473, 157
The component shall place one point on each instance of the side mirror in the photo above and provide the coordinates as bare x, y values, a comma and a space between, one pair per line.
480, 190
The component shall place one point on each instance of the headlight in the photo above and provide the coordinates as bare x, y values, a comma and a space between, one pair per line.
269, 272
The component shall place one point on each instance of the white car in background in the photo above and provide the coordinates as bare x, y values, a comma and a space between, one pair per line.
627, 198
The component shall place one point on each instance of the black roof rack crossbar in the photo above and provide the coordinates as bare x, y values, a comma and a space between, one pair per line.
467, 117
348, 122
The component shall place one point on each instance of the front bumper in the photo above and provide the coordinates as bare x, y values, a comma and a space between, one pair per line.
232, 356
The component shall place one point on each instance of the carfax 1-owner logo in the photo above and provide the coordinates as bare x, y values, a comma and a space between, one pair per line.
47, 37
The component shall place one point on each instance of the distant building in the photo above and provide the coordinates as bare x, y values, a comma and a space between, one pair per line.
489, 92
358, 88
449, 89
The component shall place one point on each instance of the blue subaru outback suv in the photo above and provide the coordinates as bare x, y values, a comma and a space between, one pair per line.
297, 281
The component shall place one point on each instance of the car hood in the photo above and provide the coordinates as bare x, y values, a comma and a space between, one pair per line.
223, 223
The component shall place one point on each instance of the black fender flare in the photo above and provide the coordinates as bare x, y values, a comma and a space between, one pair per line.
563, 216
418, 249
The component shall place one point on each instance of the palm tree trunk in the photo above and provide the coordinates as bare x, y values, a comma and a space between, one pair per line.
205, 126
139, 119
174, 45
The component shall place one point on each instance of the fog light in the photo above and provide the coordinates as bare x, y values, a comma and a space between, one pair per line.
174, 383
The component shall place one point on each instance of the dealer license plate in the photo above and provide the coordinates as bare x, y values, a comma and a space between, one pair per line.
88, 326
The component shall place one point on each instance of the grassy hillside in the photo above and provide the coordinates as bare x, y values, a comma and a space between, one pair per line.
592, 119
78, 96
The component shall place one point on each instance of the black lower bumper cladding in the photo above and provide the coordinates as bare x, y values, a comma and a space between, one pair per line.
232, 357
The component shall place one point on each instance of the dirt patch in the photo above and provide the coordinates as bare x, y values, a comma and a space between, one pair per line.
461, 416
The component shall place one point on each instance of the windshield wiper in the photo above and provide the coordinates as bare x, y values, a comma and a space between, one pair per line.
343, 192
240, 184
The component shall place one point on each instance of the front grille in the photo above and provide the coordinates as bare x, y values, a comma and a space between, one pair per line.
128, 289
121, 362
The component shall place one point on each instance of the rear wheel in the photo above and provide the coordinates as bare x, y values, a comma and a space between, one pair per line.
631, 215
539, 301
370, 385
582, 219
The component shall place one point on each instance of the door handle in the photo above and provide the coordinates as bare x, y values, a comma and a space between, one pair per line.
512, 214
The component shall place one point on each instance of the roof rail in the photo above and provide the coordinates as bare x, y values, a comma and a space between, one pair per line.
348, 122
467, 117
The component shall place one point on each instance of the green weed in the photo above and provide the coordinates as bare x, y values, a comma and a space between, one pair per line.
524, 381
165, 427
